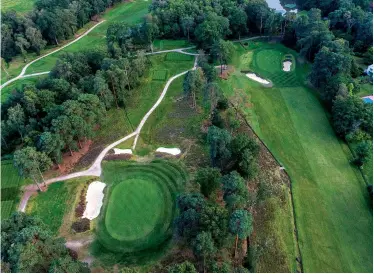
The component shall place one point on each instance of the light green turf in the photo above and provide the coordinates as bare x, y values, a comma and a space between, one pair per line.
143, 209
139, 205
333, 219
21, 6
50, 206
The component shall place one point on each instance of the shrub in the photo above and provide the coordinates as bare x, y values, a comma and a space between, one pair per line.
81, 225
223, 103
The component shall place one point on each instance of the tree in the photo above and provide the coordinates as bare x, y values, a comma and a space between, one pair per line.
350, 114
187, 24
28, 246
222, 51
190, 207
214, 219
203, 247
312, 33
150, 29
185, 267
101, 89
16, 119
35, 38
213, 28
362, 152
192, 85
219, 141
257, 11
209, 180
331, 60
51, 144
238, 21
240, 224
235, 192
30, 162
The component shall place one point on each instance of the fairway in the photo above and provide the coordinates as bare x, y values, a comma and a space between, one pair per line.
139, 204
333, 218
10, 183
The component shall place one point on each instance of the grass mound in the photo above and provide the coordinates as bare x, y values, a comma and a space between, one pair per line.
139, 204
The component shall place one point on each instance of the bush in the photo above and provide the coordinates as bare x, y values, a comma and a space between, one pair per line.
223, 103
362, 152
81, 226
217, 119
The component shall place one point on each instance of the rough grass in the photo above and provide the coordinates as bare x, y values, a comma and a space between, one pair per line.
333, 218
8, 90
139, 206
52, 205
17, 5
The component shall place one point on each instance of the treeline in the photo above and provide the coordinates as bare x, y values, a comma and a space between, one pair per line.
27, 245
331, 44
215, 220
208, 21
41, 121
48, 23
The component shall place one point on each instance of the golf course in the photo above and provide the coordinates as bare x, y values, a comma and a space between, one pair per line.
334, 223
186, 136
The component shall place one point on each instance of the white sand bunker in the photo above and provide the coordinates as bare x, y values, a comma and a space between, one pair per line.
122, 151
257, 78
173, 151
94, 200
287, 65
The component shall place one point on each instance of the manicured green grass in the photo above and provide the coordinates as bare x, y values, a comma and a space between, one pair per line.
20, 6
159, 75
170, 44
51, 206
10, 183
333, 219
175, 56
139, 205
143, 209
6, 209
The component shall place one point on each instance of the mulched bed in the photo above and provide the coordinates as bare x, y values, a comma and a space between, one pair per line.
111, 157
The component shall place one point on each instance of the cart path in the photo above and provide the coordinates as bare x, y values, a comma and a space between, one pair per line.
95, 169
22, 74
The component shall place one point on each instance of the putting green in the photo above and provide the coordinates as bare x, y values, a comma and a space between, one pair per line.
124, 198
139, 204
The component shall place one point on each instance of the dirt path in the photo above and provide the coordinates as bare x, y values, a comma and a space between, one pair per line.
22, 74
95, 169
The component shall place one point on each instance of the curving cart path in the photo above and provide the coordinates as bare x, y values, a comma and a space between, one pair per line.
22, 74
95, 169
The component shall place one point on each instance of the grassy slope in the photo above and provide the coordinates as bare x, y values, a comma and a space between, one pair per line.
6, 91
17, 5
333, 219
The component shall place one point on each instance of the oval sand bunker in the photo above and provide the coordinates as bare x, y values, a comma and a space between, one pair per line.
287, 65
257, 78
122, 151
94, 200
173, 151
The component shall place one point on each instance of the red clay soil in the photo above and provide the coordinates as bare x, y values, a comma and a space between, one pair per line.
68, 161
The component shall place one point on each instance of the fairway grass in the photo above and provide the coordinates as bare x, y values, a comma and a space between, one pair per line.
139, 205
10, 184
332, 214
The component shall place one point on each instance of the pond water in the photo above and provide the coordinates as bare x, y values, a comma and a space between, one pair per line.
282, 5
